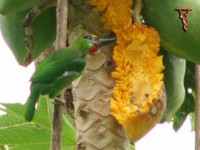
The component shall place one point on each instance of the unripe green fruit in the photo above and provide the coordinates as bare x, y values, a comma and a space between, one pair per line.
162, 15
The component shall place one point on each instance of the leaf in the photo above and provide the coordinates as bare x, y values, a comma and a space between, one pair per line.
174, 83
182, 113
189, 102
12, 6
132, 147
21, 135
192, 121
68, 133
44, 30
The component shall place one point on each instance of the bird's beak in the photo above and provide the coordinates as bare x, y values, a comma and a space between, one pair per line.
105, 41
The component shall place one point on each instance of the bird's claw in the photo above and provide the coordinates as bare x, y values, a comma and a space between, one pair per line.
58, 100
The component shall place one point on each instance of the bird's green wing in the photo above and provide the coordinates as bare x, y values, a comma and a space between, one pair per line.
57, 64
60, 83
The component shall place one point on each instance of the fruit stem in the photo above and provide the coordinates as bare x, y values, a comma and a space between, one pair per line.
138, 4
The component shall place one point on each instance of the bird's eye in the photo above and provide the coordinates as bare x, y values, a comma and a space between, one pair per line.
87, 37
90, 37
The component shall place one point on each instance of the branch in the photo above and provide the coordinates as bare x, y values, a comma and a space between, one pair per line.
197, 108
62, 13
62, 8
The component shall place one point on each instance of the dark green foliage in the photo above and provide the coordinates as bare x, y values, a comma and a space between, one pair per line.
189, 102
44, 30
174, 83
184, 111
13, 6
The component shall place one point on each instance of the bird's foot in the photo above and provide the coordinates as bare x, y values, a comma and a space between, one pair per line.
58, 100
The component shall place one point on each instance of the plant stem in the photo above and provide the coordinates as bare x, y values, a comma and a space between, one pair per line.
62, 13
138, 4
62, 8
197, 108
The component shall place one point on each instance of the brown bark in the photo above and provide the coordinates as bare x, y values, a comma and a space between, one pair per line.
96, 127
197, 108
62, 8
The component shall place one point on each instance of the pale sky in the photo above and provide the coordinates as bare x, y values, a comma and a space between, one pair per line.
14, 87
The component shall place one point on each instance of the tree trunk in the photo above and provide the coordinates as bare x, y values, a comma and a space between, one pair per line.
96, 128
197, 108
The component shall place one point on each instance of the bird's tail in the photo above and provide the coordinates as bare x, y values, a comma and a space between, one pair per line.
30, 106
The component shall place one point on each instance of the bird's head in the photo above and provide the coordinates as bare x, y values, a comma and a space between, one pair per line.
91, 43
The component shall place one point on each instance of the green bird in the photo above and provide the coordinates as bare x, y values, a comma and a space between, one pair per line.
60, 68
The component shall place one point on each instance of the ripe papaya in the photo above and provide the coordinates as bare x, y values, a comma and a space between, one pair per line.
174, 83
44, 32
162, 15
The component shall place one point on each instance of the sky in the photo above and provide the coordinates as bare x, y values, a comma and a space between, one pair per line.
14, 79
14, 88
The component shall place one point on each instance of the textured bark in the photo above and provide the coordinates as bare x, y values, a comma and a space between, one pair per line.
197, 108
96, 128
61, 36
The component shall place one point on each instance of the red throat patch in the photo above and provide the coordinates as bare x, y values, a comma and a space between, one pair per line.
93, 50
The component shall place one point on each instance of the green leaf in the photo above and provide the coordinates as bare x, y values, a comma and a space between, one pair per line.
68, 134
132, 147
12, 6
44, 30
192, 121
174, 83
21, 135
182, 113
189, 102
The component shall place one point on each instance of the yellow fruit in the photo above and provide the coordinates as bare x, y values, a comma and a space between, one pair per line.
138, 99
